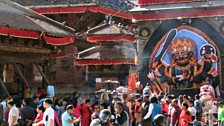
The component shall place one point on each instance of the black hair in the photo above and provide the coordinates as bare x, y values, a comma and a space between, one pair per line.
41, 107
38, 88
180, 96
48, 101
104, 104
4, 97
197, 97
161, 93
160, 97
87, 100
139, 99
75, 101
35, 97
191, 101
185, 105
11, 102
154, 100
43, 96
186, 97
27, 101
169, 97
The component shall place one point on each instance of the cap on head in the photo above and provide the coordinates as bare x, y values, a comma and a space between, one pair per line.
69, 107
146, 92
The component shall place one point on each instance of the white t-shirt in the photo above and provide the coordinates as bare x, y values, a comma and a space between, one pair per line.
13, 112
192, 110
48, 115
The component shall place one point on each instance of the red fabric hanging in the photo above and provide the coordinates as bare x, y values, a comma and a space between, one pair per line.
164, 15
33, 35
177, 14
145, 2
83, 62
95, 9
95, 39
18, 33
58, 41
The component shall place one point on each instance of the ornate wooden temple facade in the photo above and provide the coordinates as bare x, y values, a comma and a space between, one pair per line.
82, 15
27, 41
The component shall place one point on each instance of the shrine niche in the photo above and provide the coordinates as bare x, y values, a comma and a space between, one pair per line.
184, 59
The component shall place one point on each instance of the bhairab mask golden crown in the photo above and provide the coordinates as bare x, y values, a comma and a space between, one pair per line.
181, 45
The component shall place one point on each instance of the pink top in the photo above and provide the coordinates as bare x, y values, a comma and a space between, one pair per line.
76, 111
39, 118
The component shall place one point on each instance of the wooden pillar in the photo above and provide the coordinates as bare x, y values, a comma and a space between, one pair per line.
87, 72
42, 73
43, 82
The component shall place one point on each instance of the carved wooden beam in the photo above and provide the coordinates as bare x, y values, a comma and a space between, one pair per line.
24, 50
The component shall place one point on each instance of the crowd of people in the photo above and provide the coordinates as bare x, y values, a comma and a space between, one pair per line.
106, 109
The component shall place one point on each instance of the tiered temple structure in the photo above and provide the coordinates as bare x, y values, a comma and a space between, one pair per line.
114, 48
27, 40
82, 15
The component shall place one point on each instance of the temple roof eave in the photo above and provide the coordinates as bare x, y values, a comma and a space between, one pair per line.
62, 6
40, 23
174, 6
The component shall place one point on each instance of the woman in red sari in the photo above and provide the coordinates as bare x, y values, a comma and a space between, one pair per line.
185, 115
85, 113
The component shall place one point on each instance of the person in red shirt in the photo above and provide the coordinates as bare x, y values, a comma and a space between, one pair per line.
40, 115
137, 111
6, 115
165, 106
185, 115
40, 91
175, 113
85, 113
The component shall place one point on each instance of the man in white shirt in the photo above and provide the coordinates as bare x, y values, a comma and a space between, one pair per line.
192, 109
13, 114
48, 119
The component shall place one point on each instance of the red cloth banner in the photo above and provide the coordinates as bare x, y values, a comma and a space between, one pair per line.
95, 39
59, 41
146, 2
95, 9
83, 62
18, 33
165, 15
33, 35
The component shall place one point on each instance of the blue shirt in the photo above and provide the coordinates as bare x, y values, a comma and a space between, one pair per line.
65, 116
